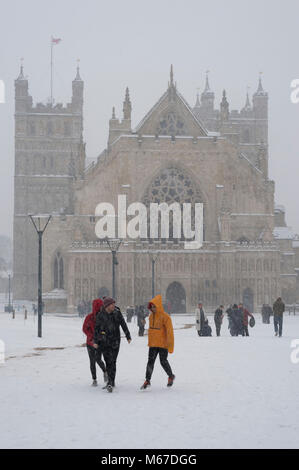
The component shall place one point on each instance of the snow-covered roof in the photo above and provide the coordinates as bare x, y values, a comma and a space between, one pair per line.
283, 233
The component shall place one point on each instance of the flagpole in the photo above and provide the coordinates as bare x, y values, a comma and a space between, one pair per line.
51, 70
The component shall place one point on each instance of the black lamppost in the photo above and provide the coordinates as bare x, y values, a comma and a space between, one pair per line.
9, 307
153, 257
9, 304
40, 229
114, 244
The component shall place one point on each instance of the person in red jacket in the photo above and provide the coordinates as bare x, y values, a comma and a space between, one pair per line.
95, 355
246, 314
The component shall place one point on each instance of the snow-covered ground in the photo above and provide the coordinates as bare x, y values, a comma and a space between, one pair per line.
229, 392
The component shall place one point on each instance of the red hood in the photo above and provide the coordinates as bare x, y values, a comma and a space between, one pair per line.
96, 306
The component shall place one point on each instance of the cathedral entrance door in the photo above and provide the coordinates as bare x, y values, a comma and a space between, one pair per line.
248, 299
176, 298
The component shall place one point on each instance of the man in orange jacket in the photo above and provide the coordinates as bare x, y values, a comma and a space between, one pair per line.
160, 340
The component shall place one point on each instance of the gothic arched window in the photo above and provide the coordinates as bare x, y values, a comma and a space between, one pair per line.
58, 272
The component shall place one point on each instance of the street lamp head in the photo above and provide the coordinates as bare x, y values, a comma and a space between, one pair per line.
40, 221
113, 243
153, 254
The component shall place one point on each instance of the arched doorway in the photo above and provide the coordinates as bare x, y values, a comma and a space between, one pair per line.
248, 299
103, 292
176, 298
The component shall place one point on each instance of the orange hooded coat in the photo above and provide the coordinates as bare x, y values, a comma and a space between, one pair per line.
160, 332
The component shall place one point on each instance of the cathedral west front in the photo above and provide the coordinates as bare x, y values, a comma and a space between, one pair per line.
177, 153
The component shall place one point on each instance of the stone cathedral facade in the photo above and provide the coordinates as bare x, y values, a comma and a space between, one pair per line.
175, 154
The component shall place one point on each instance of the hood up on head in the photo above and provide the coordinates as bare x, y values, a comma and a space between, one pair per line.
157, 301
96, 306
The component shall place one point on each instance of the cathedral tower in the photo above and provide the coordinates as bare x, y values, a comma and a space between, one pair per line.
49, 156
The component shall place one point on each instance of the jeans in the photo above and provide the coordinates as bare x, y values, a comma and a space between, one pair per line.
152, 356
278, 320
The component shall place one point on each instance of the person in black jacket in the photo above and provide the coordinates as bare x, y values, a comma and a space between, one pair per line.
236, 321
107, 336
218, 317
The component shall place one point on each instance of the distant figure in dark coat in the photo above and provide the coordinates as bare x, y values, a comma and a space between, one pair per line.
246, 314
266, 313
278, 309
200, 318
218, 317
141, 320
236, 321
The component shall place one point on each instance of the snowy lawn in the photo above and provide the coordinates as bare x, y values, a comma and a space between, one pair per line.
228, 393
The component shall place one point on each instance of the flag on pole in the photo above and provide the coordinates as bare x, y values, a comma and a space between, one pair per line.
56, 41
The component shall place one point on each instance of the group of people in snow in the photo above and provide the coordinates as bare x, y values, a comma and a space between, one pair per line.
102, 329
238, 319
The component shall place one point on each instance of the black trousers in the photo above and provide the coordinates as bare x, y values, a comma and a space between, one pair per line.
245, 329
95, 356
110, 355
152, 356
141, 330
218, 328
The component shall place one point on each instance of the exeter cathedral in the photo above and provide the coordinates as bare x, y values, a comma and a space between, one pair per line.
177, 153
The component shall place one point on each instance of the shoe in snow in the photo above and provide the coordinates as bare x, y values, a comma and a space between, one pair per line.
94, 383
109, 388
170, 381
145, 385
105, 377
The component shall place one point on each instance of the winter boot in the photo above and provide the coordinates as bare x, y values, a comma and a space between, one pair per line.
94, 383
145, 385
109, 388
170, 381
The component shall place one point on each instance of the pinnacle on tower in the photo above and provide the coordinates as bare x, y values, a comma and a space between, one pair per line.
113, 113
207, 87
21, 74
260, 91
197, 104
78, 74
247, 106
127, 108
207, 96
171, 75
224, 107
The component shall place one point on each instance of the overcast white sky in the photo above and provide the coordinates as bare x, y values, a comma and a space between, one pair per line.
132, 43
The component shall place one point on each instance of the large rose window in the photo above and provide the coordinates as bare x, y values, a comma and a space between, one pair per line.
172, 185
